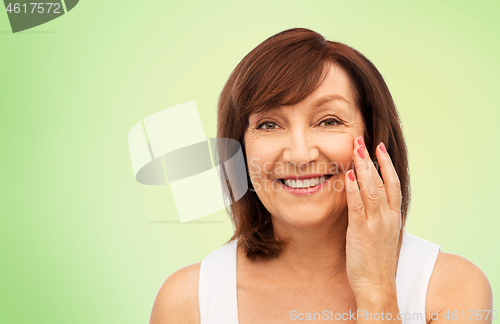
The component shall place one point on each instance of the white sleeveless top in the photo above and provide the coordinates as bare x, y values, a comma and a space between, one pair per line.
217, 285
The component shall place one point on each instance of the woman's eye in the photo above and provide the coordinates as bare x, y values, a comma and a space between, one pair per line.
329, 122
269, 125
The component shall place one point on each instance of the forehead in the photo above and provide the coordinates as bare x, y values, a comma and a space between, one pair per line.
336, 86
336, 90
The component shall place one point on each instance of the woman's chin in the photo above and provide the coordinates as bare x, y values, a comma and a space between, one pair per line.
304, 220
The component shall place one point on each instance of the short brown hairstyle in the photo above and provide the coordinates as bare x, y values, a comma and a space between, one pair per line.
284, 70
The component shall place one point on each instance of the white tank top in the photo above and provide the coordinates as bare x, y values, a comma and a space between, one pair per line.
217, 285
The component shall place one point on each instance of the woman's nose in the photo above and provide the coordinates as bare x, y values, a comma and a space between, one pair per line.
300, 150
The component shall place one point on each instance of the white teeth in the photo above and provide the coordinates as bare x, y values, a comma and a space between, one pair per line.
306, 183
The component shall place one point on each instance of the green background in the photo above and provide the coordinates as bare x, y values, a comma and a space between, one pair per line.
83, 242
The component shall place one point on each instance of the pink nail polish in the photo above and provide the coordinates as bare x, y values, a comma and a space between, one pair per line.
361, 151
351, 175
382, 147
361, 141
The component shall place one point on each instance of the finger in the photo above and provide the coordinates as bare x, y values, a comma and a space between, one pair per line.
391, 179
371, 185
356, 210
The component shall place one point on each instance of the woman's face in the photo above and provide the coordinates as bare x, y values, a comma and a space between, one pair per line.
293, 148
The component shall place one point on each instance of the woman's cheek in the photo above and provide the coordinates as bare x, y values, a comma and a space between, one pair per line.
337, 147
260, 161
265, 151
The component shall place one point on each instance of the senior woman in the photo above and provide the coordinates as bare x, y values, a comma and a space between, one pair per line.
320, 234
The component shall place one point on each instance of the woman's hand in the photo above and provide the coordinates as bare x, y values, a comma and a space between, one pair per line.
374, 209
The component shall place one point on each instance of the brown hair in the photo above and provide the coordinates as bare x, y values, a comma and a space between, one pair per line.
283, 70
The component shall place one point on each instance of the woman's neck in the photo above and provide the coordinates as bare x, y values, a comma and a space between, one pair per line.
315, 253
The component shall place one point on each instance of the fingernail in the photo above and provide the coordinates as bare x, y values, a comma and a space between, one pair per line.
351, 175
361, 141
361, 151
382, 147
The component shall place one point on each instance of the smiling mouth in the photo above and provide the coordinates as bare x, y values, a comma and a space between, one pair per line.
305, 183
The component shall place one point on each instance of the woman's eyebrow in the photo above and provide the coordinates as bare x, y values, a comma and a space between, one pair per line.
328, 98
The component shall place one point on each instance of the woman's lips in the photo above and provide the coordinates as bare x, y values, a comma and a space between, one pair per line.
305, 176
303, 191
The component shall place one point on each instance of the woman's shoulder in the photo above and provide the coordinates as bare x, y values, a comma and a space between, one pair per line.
177, 299
458, 284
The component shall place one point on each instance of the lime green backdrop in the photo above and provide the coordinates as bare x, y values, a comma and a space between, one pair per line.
83, 242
